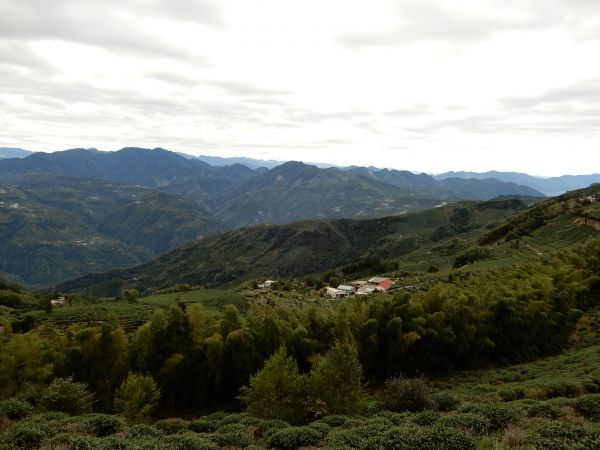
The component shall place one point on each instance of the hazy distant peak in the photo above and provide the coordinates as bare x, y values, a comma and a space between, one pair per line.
13, 152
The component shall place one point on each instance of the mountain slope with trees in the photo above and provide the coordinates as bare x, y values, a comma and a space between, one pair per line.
299, 248
55, 228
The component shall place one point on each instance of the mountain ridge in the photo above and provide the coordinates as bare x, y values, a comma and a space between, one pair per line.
548, 185
238, 195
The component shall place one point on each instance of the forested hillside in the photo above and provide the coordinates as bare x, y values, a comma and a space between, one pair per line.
54, 228
299, 248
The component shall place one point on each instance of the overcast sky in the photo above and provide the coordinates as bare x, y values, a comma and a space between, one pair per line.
423, 85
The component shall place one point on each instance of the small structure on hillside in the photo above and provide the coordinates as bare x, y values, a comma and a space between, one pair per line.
267, 284
384, 285
358, 283
349, 289
336, 293
59, 302
365, 290
376, 280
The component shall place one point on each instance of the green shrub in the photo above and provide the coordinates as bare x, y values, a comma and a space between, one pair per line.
563, 389
269, 427
217, 416
354, 422
334, 421
231, 438
143, 430
15, 409
79, 442
172, 426
417, 438
65, 395
471, 423
103, 424
510, 395
552, 434
393, 417
588, 406
204, 425
231, 428
591, 441
293, 438
445, 401
232, 418
355, 437
29, 434
371, 408
426, 418
406, 394
188, 441
322, 428
498, 414
545, 410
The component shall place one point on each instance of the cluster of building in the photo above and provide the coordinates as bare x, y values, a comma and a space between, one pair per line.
360, 287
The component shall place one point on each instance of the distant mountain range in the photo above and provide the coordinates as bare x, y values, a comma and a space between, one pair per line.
238, 195
11, 152
447, 188
223, 161
549, 186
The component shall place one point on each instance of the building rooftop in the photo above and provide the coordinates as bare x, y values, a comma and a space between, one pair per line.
377, 280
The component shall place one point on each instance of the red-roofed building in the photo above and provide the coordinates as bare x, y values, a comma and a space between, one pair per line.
384, 285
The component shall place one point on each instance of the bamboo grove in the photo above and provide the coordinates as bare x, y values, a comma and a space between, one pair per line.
200, 361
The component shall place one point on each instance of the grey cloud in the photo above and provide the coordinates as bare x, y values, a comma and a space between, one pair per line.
410, 111
584, 92
204, 12
434, 21
59, 95
299, 115
52, 100
173, 78
551, 123
245, 89
92, 23
21, 55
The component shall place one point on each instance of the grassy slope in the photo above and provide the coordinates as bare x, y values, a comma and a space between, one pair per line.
132, 315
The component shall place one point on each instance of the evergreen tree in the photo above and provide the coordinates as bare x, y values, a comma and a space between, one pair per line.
137, 397
336, 380
277, 391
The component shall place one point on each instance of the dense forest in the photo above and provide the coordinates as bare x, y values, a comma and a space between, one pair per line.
199, 361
